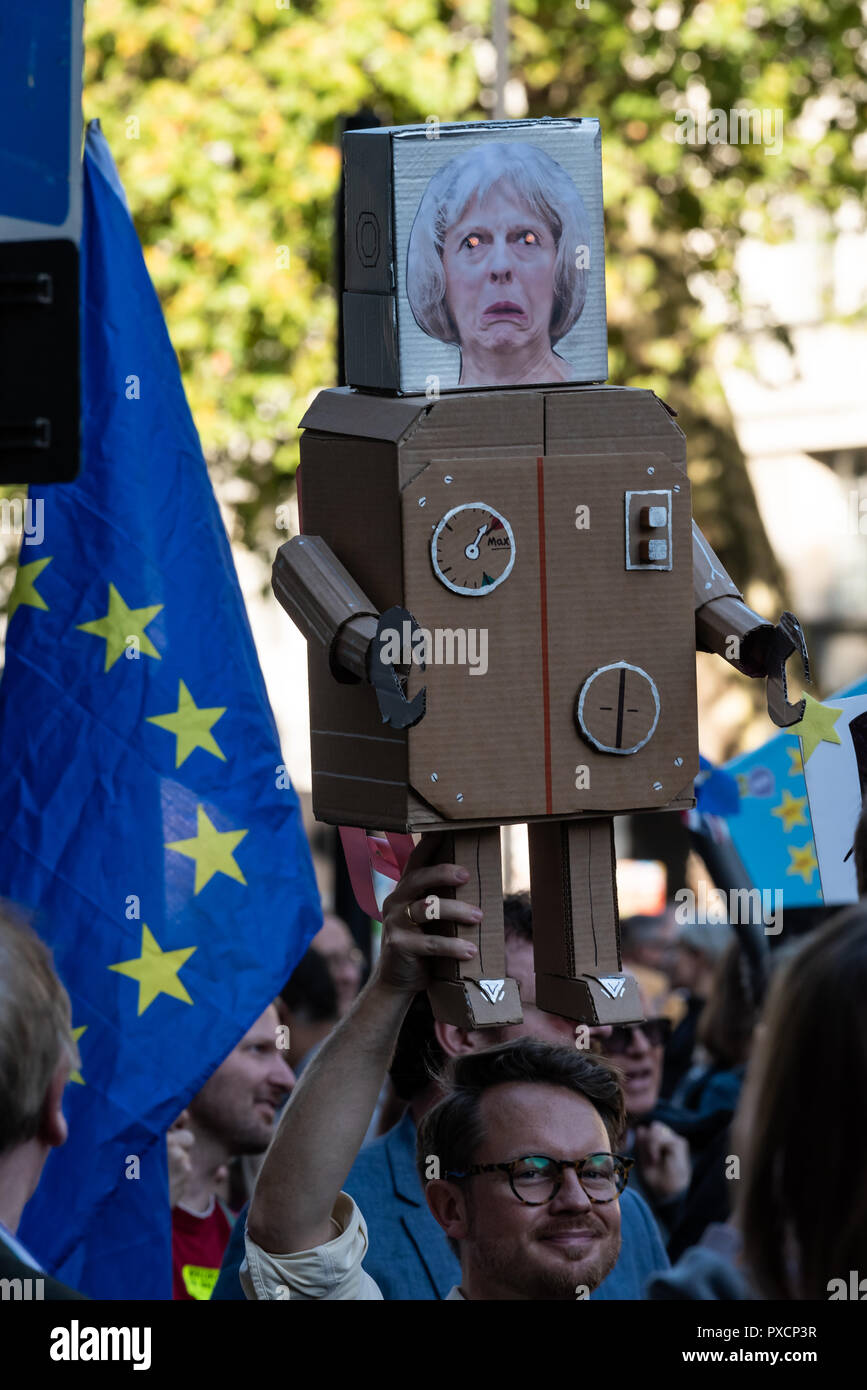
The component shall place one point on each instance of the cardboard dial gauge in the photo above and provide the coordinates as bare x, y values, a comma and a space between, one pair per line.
473, 549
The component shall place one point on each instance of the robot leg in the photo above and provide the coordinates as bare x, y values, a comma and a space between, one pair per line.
576, 933
476, 993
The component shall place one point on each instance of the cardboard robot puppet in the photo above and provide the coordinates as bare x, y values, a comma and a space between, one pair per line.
498, 574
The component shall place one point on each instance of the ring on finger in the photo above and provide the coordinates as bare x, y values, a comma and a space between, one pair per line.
408, 911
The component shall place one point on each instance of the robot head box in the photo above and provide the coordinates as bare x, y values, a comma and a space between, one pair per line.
474, 256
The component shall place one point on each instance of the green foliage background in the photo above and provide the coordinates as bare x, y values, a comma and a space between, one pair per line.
237, 105
222, 116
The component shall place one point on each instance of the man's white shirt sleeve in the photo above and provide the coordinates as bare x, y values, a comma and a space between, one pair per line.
328, 1271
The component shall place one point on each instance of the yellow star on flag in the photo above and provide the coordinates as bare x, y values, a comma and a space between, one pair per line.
75, 1074
212, 851
817, 726
797, 762
791, 810
156, 971
804, 862
191, 726
24, 591
120, 623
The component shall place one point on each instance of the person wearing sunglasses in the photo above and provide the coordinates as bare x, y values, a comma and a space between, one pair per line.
663, 1163
521, 1158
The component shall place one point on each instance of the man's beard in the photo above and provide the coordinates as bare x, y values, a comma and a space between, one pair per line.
240, 1134
502, 1263
249, 1142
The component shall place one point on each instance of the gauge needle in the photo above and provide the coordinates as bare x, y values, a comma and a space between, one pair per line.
472, 551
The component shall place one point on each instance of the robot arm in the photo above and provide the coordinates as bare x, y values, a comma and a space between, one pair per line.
326, 604
329, 608
725, 625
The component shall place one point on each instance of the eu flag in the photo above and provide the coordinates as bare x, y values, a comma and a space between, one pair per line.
144, 811
772, 828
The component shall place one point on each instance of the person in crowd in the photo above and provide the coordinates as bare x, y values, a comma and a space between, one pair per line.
232, 1114
710, 1095
648, 942
309, 1007
541, 1222
800, 1200
344, 959
648, 946
663, 1164
724, 1033
409, 1256
37, 1056
697, 951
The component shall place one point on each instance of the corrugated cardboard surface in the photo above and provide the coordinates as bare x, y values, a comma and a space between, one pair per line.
343, 410
609, 419
709, 578
502, 425
359, 764
599, 613
368, 202
455, 995
561, 614
477, 750
477, 851
382, 190
485, 735
463, 1004
318, 593
572, 884
370, 348
585, 1000
421, 816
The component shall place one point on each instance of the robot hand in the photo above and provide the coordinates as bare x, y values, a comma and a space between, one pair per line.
394, 707
768, 649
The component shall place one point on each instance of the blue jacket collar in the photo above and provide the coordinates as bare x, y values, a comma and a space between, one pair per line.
400, 1147
427, 1237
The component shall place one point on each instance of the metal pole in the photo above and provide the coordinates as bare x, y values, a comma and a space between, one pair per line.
500, 36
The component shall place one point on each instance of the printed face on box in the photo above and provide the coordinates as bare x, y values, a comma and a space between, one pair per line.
498, 263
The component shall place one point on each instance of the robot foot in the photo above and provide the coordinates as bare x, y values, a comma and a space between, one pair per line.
593, 999
476, 1003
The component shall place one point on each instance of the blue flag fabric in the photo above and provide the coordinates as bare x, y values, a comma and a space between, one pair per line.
771, 827
144, 811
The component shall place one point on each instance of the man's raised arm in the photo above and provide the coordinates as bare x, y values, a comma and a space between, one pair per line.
325, 1121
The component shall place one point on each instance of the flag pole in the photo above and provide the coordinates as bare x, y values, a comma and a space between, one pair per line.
500, 37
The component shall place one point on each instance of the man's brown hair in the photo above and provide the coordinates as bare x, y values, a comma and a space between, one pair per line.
453, 1130
35, 1028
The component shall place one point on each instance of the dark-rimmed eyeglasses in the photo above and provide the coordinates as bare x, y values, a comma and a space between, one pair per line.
657, 1031
536, 1178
